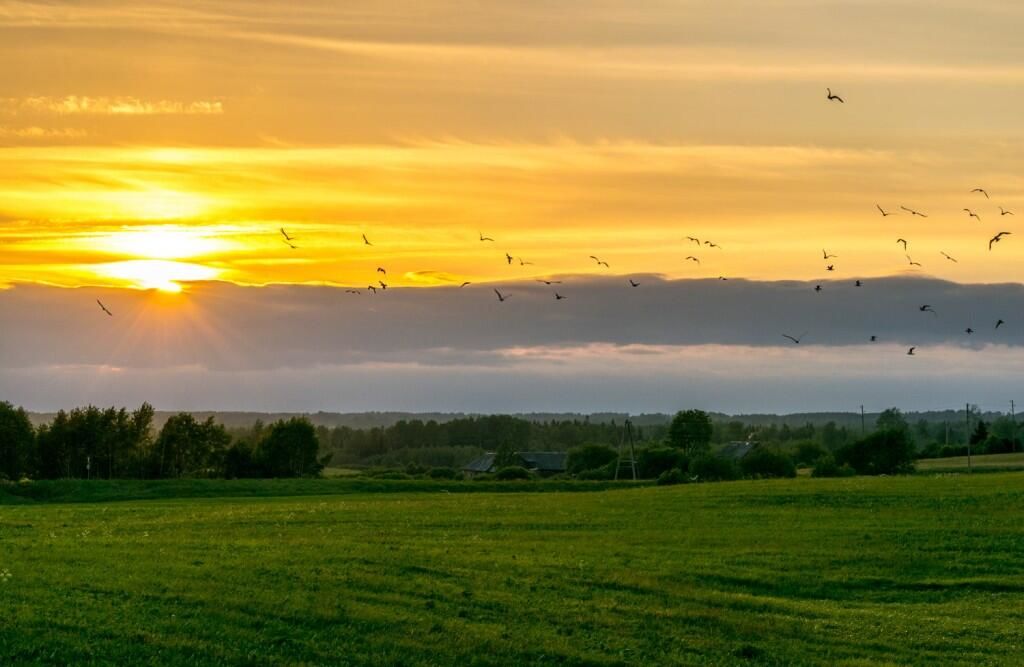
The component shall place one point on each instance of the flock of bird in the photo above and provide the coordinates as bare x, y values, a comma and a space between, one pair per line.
379, 282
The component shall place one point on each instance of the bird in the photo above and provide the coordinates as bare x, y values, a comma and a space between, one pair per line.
912, 262
795, 340
372, 288
383, 285
982, 191
948, 257
524, 263
999, 323
722, 278
827, 256
600, 262
904, 242
830, 267
913, 212
633, 283
484, 238
366, 241
691, 258
290, 244
286, 237
694, 239
550, 282
857, 284
817, 288
558, 297
874, 339
381, 269
712, 245
973, 214
464, 284
834, 98
883, 211
968, 331
501, 297
509, 258
927, 309
911, 351
996, 238
1003, 211
104, 308
352, 291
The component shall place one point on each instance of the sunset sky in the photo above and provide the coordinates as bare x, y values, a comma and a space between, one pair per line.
151, 152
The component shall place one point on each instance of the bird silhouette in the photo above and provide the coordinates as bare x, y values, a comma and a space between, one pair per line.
827, 256
911, 351
795, 339
372, 288
913, 212
558, 297
509, 258
883, 211
912, 262
464, 284
999, 323
1003, 211
817, 288
286, 237
633, 283
501, 297
830, 267
381, 269
366, 241
834, 98
948, 257
104, 308
383, 285
927, 309
484, 238
904, 242
290, 244
712, 245
352, 291
858, 284
600, 262
694, 239
968, 331
997, 238
973, 214
522, 262
722, 278
550, 282
874, 339
691, 258
982, 191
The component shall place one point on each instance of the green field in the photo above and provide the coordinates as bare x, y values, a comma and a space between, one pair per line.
911, 570
984, 463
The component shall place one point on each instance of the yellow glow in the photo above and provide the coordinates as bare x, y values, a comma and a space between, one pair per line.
158, 204
163, 275
160, 243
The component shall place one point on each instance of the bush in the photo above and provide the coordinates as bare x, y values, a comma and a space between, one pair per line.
670, 477
762, 462
443, 473
826, 466
605, 472
651, 463
884, 452
808, 452
711, 468
589, 457
414, 469
509, 473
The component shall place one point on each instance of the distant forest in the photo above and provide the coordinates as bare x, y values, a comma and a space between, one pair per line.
112, 443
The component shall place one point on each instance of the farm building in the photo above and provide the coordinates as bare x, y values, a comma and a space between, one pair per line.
542, 463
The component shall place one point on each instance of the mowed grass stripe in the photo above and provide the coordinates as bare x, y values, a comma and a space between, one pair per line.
914, 570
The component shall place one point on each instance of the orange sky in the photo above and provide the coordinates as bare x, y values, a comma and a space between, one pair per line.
150, 144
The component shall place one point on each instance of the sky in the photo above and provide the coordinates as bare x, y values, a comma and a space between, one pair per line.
154, 156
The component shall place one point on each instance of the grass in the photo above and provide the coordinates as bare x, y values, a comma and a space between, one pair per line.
911, 570
984, 463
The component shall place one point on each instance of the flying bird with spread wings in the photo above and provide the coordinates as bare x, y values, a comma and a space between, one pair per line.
972, 214
795, 339
998, 237
834, 98
904, 242
982, 191
501, 297
948, 257
883, 211
600, 262
484, 238
104, 308
913, 212
1003, 211
912, 262
366, 241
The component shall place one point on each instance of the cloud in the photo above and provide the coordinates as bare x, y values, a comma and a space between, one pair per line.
34, 132
113, 106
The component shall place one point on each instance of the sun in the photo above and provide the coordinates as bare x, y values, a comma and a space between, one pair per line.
159, 274
160, 242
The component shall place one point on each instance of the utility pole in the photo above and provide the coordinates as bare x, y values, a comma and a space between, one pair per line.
1013, 432
862, 420
967, 413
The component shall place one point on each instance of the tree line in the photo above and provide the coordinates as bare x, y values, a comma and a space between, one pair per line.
95, 443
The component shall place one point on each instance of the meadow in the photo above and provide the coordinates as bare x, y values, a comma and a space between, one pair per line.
857, 571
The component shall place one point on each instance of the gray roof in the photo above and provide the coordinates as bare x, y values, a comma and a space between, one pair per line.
736, 450
543, 461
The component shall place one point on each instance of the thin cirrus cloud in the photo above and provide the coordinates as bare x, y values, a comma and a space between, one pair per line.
114, 106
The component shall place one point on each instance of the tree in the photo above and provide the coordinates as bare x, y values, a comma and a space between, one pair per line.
690, 431
290, 450
188, 447
892, 420
589, 457
17, 438
980, 434
883, 452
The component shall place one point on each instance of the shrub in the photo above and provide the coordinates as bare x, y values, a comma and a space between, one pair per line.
509, 473
808, 452
826, 466
443, 473
762, 462
605, 472
651, 463
711, 468
884, 452
589, 457
670, 477
414, 469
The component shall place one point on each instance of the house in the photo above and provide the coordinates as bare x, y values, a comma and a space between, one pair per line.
736, 450
542, 463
